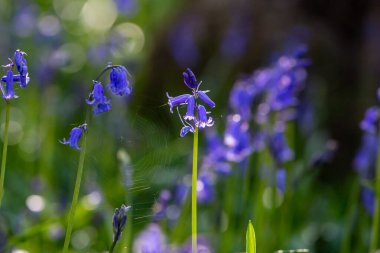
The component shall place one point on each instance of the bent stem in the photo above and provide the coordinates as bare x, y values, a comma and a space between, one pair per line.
194, 194
5, 149
75, 195
376, 216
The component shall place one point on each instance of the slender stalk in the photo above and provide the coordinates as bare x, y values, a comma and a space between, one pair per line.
75, 195
112, 246
376, 216
194, 194
5, 149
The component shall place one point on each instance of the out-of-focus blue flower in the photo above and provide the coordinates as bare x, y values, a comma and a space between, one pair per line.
119, 84
216, 156
119, 220
370, 121
241, 100
365, 158
205, 188
279, 148
281, 179
75, 135
368, 199
127, 7
9, 92
237, 139
151, 240
98, 100
159, 208
192, 119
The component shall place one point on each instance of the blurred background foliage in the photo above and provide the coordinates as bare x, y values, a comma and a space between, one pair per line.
69, 42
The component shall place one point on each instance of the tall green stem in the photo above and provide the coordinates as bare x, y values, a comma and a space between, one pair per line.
5, 149
194, 194
376, 217
112, 246
75, 195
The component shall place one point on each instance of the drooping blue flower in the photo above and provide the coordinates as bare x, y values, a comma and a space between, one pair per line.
202, 95
119, 84
185, 130
190, 108
21, 63
119, 220
365, 159
196, 114
176, 101
203, 120
98, 100
75, 135
9, 92
151, 240
370, 120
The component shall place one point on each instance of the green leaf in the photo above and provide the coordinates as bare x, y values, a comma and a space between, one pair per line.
250, 239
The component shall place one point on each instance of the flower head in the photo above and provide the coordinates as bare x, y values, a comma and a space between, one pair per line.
119, 84
21, 63
98, 100
75, 135
196, 114
119, 220
151, 240
9, 92
371, 118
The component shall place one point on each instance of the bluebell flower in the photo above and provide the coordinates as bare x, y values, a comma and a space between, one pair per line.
75, 135
281, 179
203, 120
371, 119
185, 130
9, 92
119, 220
98, 100
151, 240
216, 155
21, 63
368, 199
119, 84
196, 114
365, 159
279, 148
241, 100
176, 101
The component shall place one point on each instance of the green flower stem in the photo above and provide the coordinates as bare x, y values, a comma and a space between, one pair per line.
376, 216
112, 247
5, 149
194, 194
75, 195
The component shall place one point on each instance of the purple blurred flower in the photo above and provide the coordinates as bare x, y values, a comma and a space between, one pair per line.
279, 148
159, 208
368, 199
151, 240
202, 245
205, 188
365, 158
371, 119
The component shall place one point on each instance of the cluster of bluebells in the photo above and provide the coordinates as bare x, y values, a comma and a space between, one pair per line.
264, 101
365, 159
118, 85
196, 114
10, 78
